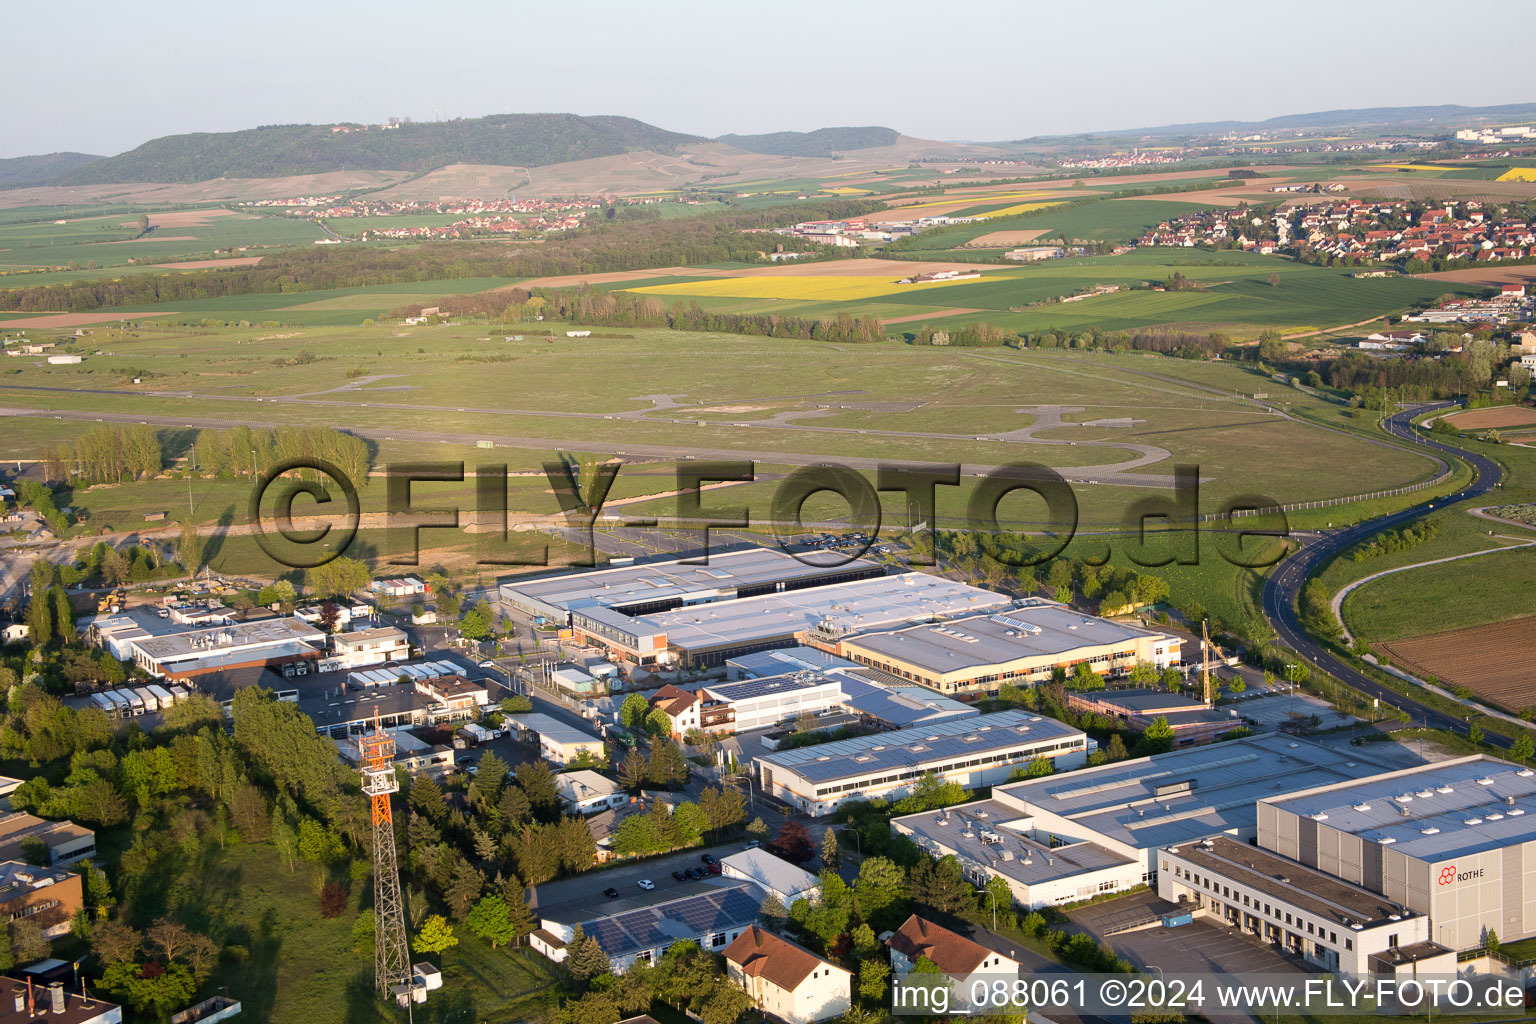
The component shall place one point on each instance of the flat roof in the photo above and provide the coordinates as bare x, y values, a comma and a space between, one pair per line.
1138, 700
361, 705
980, 835
223, 657
1431, 812
903, 748
788, 659
363, 635
1187, 794
410, 669
659, 581
554, 729
854, 607
1291, 882
768, 686
1035, 629
213, 639
657, 919
902, 706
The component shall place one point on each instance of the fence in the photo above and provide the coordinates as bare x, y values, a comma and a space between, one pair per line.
1245, 513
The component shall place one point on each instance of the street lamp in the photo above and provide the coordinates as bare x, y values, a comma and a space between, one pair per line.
992, 894
858, 841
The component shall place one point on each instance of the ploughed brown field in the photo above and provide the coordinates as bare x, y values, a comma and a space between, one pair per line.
1501, 416
1492, 660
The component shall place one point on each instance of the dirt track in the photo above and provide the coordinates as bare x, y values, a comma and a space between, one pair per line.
80, 319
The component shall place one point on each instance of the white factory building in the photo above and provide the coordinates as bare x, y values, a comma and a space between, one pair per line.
1455, 840
978, 751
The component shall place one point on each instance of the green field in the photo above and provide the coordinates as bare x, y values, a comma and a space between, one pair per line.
777, 401
1235, 295
1442, 597
300, 966
34, 239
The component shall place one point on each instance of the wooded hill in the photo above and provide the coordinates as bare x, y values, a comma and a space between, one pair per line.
508, 140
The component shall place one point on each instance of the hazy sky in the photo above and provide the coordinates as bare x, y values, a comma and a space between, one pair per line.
102, 77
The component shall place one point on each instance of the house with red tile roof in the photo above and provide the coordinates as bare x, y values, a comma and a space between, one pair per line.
786, 981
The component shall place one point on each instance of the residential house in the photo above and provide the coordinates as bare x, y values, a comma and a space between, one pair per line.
786, 981
964, 961
587, 792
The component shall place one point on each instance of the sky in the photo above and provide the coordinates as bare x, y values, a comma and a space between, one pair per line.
984, 70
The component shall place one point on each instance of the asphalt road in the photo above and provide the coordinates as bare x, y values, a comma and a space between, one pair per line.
1283, 587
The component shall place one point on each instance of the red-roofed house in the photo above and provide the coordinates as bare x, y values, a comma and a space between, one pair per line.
786, 981
951, 952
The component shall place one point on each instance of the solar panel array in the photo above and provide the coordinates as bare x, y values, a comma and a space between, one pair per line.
728, 907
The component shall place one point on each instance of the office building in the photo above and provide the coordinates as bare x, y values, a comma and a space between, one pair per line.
972, 752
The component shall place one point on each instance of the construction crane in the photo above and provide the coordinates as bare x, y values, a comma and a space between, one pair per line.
391, 957
1206, 646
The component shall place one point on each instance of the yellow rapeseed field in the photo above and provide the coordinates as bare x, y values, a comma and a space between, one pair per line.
1518, 174
974, 200
846, 190
1009, 211
804, 288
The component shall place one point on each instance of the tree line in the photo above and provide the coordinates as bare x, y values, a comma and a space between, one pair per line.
104, 454
240, 451
629, 309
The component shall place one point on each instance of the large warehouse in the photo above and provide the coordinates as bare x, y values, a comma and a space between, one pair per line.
974, 752
708, 634
662, 586
971, 657
1455, 840
1133, 808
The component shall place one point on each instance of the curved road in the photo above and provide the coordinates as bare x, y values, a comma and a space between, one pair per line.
1283, 587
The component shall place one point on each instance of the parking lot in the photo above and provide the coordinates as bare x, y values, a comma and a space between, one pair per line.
588, 889
1274, 709
1201, 948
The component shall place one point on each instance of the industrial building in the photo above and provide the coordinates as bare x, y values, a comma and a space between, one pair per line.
193, 652
987, 840
364, 647
974, 752
1454, 840
641, 928
559, 742
65, 841
662, 586
1334, 925
704, 635
1192, 721
878, 698
1134, 808
770, 700
972, 657
47, 896
25, 1002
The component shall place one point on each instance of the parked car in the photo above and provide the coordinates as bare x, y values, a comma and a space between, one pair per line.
708, 858
647, 884
754, 844
715, 868
678, 876
695, 873
611, 893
